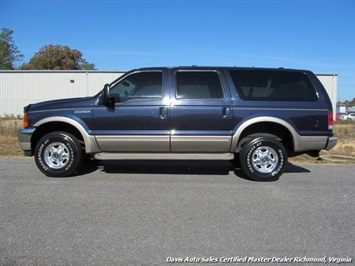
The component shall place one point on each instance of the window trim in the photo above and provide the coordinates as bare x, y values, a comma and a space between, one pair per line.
114, 83
243, 97
198, 99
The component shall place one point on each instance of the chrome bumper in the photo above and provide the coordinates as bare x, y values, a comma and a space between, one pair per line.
332, 141
24, 140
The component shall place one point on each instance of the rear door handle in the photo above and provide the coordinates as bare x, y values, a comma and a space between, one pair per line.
163, 112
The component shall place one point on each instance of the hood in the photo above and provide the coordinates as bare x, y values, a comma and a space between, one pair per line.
70, 103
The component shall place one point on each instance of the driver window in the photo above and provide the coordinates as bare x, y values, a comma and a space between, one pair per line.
138, 86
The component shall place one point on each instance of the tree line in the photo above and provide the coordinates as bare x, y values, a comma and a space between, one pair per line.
346, 103
49, 57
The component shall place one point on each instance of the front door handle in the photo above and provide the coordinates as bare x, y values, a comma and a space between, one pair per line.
163, 112
227, 113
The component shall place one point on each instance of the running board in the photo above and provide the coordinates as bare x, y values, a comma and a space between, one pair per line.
163, 156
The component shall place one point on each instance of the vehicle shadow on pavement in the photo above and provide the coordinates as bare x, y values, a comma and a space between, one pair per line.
167, 167
172, 167
290, 168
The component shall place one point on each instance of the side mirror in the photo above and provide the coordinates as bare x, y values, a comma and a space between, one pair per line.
106, 99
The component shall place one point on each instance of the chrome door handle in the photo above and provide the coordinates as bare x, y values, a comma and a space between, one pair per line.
227, 113
163, 112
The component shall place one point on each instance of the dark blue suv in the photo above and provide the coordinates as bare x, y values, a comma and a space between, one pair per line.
254, 117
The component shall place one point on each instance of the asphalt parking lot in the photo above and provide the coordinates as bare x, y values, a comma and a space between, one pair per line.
156, 213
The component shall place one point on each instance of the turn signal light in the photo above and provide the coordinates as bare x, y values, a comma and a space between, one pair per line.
25, 121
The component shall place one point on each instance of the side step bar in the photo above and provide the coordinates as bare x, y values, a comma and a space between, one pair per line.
164, 156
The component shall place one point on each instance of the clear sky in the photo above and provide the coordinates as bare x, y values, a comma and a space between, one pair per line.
318, 35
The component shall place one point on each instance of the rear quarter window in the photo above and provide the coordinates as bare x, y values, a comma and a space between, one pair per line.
264, 85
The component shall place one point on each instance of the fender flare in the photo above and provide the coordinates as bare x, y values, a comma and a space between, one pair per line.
266, 119
90, 141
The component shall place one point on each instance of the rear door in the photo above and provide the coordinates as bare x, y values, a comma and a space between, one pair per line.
201, 114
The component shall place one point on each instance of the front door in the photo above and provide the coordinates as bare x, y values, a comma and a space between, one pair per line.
138, 121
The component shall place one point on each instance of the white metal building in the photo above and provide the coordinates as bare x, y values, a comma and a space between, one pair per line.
330, 83
19, 88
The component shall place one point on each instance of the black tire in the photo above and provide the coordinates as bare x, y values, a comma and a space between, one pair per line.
58, 154
263, 159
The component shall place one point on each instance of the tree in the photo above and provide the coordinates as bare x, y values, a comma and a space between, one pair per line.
58, 57
86, 65
9, 53
346, 103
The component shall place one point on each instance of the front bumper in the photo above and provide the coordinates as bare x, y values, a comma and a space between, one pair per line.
24, 140
332, 141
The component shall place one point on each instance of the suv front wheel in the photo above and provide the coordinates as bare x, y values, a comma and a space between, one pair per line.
58, 154
263, 159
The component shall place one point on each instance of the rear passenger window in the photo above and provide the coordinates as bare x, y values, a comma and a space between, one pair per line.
263, 85
198, 85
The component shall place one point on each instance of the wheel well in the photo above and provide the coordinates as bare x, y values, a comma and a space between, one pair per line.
267, 129
55, 126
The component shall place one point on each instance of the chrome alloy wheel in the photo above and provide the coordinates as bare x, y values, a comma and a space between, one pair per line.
56, 155
264, 159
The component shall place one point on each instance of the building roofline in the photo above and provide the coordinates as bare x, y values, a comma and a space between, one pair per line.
124, 71
63, 71
326, 74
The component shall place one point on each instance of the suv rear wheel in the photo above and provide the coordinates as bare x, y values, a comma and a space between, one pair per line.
58, 154
263, 159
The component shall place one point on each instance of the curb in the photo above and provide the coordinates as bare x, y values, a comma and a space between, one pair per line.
337, 158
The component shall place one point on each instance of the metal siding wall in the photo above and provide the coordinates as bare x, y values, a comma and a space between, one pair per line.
96, 81
330, 83
18, 89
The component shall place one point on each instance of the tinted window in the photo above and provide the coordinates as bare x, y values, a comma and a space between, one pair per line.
143, 85
273, 85
198, 85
